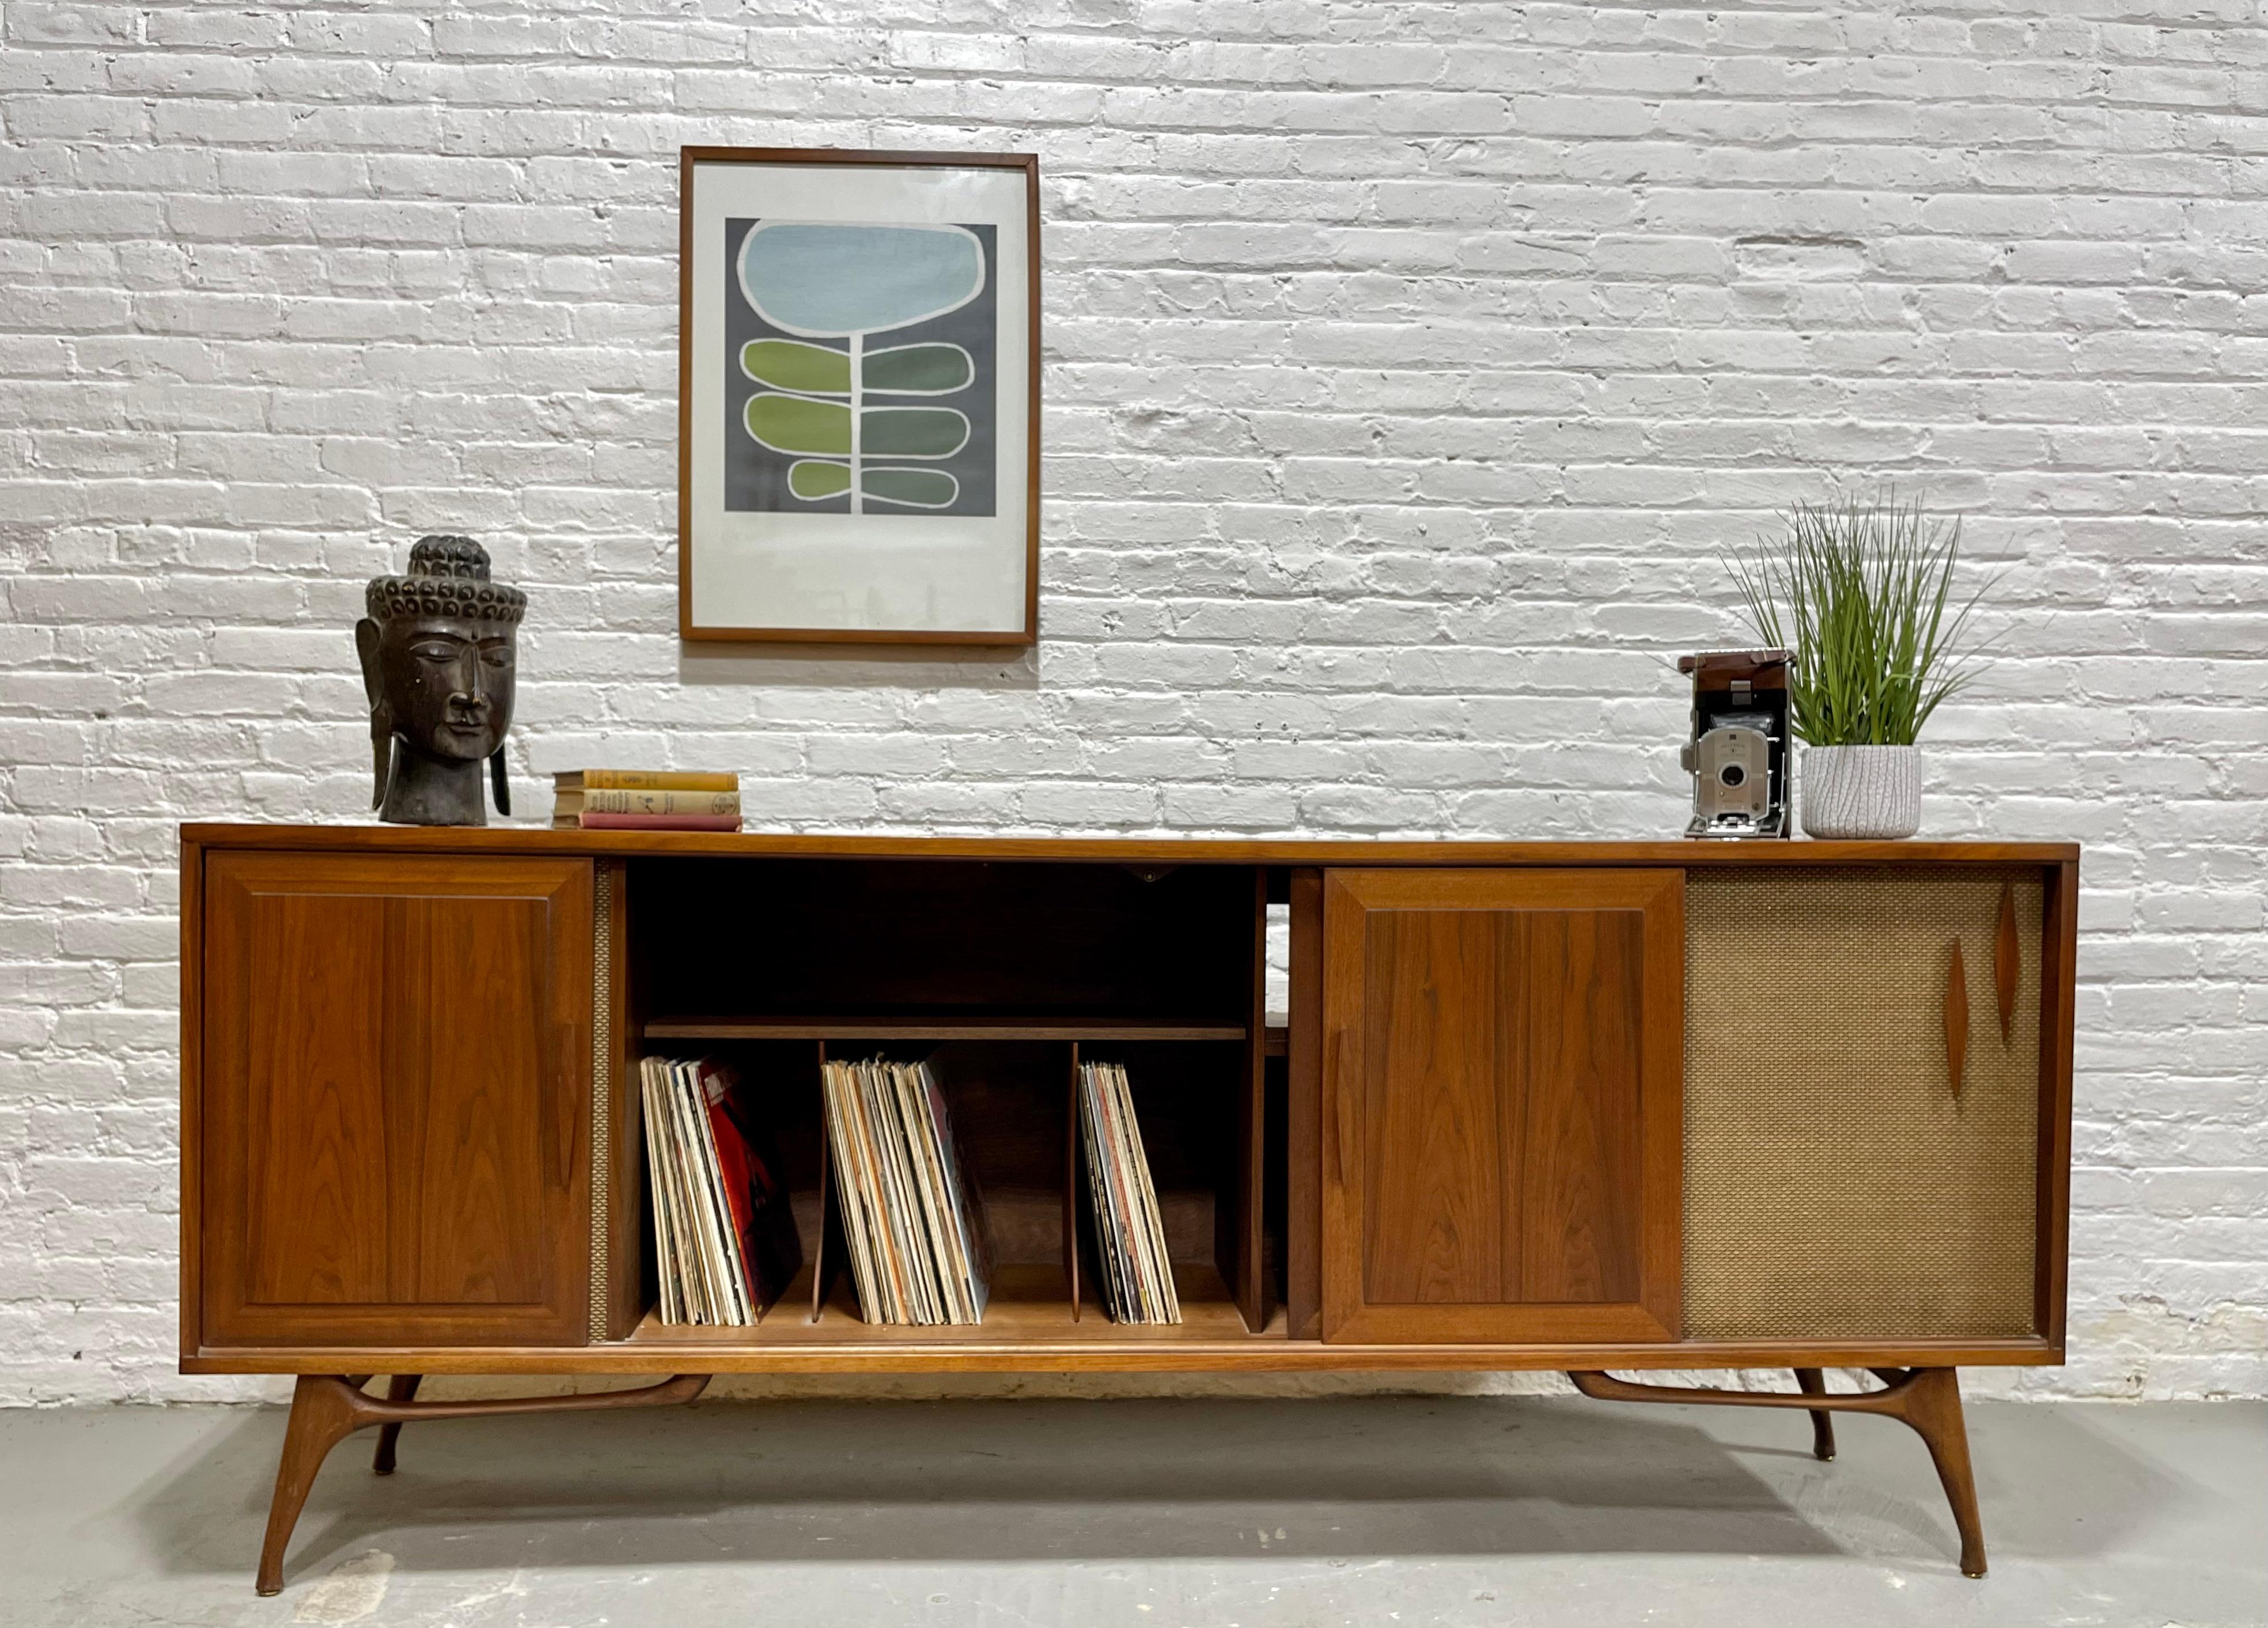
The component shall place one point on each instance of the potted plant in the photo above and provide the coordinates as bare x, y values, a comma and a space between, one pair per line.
1860, 594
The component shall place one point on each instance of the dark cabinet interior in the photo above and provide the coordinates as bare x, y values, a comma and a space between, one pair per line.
836, 939
1002, 976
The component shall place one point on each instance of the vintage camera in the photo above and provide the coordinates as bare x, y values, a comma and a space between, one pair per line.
1738, 753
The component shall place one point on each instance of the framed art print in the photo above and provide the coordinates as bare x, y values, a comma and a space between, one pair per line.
859, 383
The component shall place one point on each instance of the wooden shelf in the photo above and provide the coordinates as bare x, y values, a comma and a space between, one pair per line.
937, 1025
1029, 1306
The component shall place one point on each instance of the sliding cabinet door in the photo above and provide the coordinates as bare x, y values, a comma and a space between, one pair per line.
1502, 1139
397, 1067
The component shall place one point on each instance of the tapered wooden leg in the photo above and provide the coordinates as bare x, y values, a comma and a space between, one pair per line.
400, 1387
327, 1408
1933, 1410
1811, 1382
322, 1415
1926, 1400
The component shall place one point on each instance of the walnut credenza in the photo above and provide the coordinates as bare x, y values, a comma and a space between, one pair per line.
1580, 1107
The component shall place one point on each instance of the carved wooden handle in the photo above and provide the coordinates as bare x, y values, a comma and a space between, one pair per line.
1342, 1050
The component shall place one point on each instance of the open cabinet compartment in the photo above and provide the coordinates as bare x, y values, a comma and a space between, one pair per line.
1000, 974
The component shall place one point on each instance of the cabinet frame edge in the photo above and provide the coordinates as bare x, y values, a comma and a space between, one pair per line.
192, 1070
2052, 1193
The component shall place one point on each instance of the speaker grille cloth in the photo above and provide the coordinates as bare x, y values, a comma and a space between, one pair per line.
1834, 1186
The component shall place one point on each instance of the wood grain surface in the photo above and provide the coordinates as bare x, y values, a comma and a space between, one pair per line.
1053, 1344
1504, 1109
2058, 978
937, 1025
1303, 1110
365, 1189
395, 1089
1110, 850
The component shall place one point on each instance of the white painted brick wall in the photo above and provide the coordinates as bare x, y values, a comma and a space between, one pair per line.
1408, 367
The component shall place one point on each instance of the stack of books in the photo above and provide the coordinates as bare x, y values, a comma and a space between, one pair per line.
724, 1239
914, 1228
644, 799
1137, 1276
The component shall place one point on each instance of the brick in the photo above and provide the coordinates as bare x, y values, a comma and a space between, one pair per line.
1409, 372
70, 24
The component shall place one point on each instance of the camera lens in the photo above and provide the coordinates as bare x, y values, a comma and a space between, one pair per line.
1732, 773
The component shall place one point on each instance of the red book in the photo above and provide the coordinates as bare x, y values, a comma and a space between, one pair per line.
659, 823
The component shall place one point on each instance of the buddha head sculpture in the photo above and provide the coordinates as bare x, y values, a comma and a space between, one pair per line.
439, 662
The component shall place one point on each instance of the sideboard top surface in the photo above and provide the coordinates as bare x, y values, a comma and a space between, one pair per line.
373, 838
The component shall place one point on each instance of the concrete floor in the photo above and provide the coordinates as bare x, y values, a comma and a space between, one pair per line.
1425, 1511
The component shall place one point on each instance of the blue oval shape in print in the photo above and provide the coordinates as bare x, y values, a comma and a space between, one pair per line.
830, 280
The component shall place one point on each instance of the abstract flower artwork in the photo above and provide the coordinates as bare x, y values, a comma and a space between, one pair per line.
858, 455
863, 359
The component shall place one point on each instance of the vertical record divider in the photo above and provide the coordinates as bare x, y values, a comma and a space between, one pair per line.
1070, 1188
1247, 1250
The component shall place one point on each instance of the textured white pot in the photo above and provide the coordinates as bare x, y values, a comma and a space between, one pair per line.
1861, 793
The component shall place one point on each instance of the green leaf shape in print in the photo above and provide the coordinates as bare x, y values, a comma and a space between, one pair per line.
919, 369
914, 489
791, 364
910, 432
788, 424
813, 479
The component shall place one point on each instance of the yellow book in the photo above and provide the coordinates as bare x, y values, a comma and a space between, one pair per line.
599, 801
646, 780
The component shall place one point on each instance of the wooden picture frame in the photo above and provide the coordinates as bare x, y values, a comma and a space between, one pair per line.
778, 542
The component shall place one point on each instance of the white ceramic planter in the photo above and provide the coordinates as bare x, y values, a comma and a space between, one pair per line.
1860, 793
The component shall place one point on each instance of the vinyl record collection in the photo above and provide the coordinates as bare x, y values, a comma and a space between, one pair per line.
914, 1228
724, 1239
1130, 1233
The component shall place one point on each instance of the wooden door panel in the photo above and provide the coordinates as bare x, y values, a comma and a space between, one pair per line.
1432, 1142
471, 1116
396, 1060
1503, 1069
1576, 1062
315, 1222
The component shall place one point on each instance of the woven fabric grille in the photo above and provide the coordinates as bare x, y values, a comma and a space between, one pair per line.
1834, 1186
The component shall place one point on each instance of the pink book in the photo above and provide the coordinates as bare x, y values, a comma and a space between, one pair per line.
659, 823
